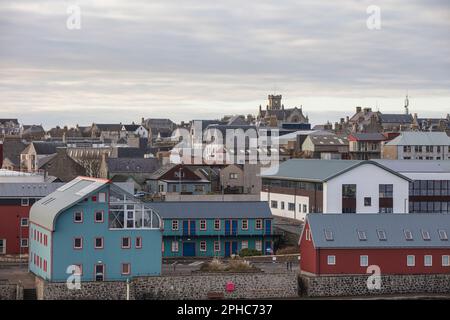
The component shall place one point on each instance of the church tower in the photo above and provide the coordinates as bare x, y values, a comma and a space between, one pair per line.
274, 102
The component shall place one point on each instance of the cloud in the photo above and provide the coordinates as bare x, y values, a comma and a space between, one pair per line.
192, 58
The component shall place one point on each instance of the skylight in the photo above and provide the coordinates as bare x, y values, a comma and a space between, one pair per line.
408, 234
328, 235
381, 235
362, 236
443, 235
425, 235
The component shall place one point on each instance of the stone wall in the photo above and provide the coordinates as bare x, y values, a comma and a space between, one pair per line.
356, 285
8, 291
247, 286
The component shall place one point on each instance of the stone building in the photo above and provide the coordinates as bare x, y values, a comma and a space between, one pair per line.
275, 114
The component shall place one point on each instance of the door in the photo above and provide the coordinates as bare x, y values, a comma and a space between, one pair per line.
268, 226
234, 225
234, 247
99, 272
227, 227
188, 249
192, 227
268, 247
227, 249
185, 227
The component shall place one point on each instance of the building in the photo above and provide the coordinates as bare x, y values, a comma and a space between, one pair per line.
9, 127
325, 145
365, 146
302, 186
396, 243
16, 200
275, 115
97, 227
418, 146
215, 228
429, 189
32, 132
177, 178
37, 153
62, 166
12, 148
136, 129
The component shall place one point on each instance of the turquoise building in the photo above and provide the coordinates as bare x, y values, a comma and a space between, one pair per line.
208, 229
94, 228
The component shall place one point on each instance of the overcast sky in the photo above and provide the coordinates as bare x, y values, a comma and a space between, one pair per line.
186, 59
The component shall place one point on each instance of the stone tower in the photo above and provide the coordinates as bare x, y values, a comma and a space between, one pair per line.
274, 102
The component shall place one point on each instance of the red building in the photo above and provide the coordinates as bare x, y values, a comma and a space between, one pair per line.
16, 200
396, 243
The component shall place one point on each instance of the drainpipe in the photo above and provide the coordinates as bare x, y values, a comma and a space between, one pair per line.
128, 289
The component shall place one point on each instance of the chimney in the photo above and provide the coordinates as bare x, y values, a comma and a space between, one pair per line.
358, 109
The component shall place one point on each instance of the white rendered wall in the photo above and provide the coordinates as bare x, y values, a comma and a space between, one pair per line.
298, 200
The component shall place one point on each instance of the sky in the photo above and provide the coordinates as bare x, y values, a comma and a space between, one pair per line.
199, 59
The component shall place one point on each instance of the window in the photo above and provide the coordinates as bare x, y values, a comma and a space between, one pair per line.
24, 222
94, 198
45, 240
126, 268
138, 242
216, 246
367, 201
363, 261
362, 236
381, 235
233, 176
425, 235
305, 208
445, 260
202, 224
78, 243
274, 204
25, 202
24, 242
245, 224
202, 246
99, 216
410, 260
282, 205
78, 217
199, 188
217, 224
349, 190
175, 225
386, 190
408, 234
244, 244
443, 235
291, 206
258, 224
174, 246
258, 245
428, 260
102, 197
126, 243
331, 260
328, 235
98, 243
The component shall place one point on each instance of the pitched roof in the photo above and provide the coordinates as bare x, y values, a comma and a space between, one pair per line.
4, 121
12, 149
45, 211
323, 138
133, 165
32, 190
420, 139
318, 170
375, 136
109, 126
344, 230
212, 209
419, 166
43, 147
131, 127
130, 152
395, 118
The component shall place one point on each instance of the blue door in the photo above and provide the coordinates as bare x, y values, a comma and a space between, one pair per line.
185, 227
268, 227
227, 249
227, 227
268, 247
234, 247
188, 249
234, 225
192, 227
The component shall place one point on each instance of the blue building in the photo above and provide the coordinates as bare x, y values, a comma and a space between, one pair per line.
207, 229
96, 226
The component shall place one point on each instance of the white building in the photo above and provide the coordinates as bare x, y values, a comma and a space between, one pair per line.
303, 186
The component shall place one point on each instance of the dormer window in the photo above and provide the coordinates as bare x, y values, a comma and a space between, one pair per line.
425, 235
381, 235
328, 235
408, 234
362, 236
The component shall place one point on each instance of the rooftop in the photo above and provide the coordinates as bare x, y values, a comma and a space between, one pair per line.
420, 139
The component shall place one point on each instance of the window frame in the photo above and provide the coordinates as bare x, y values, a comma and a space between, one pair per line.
136, 243
445, 256
258, 221
177, 223
129, 243
75, 216
129, 268
430, 262
203, 246
103, 216
202, 222
217, 221
21, 243
246, 224
408, 264
177, 247
95, 243
333, 261
361, 257
22, 219
24, 203
81, 243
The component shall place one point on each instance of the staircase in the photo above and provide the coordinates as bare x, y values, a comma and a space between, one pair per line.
29, 294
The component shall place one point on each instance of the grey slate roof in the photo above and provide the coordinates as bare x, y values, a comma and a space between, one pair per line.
429, 166
133, 165
375, 136
43, 147
32, 190
420, 139
322, 138
396, 118
316, 170
45, 211
12, 149
212, 209
344, 228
